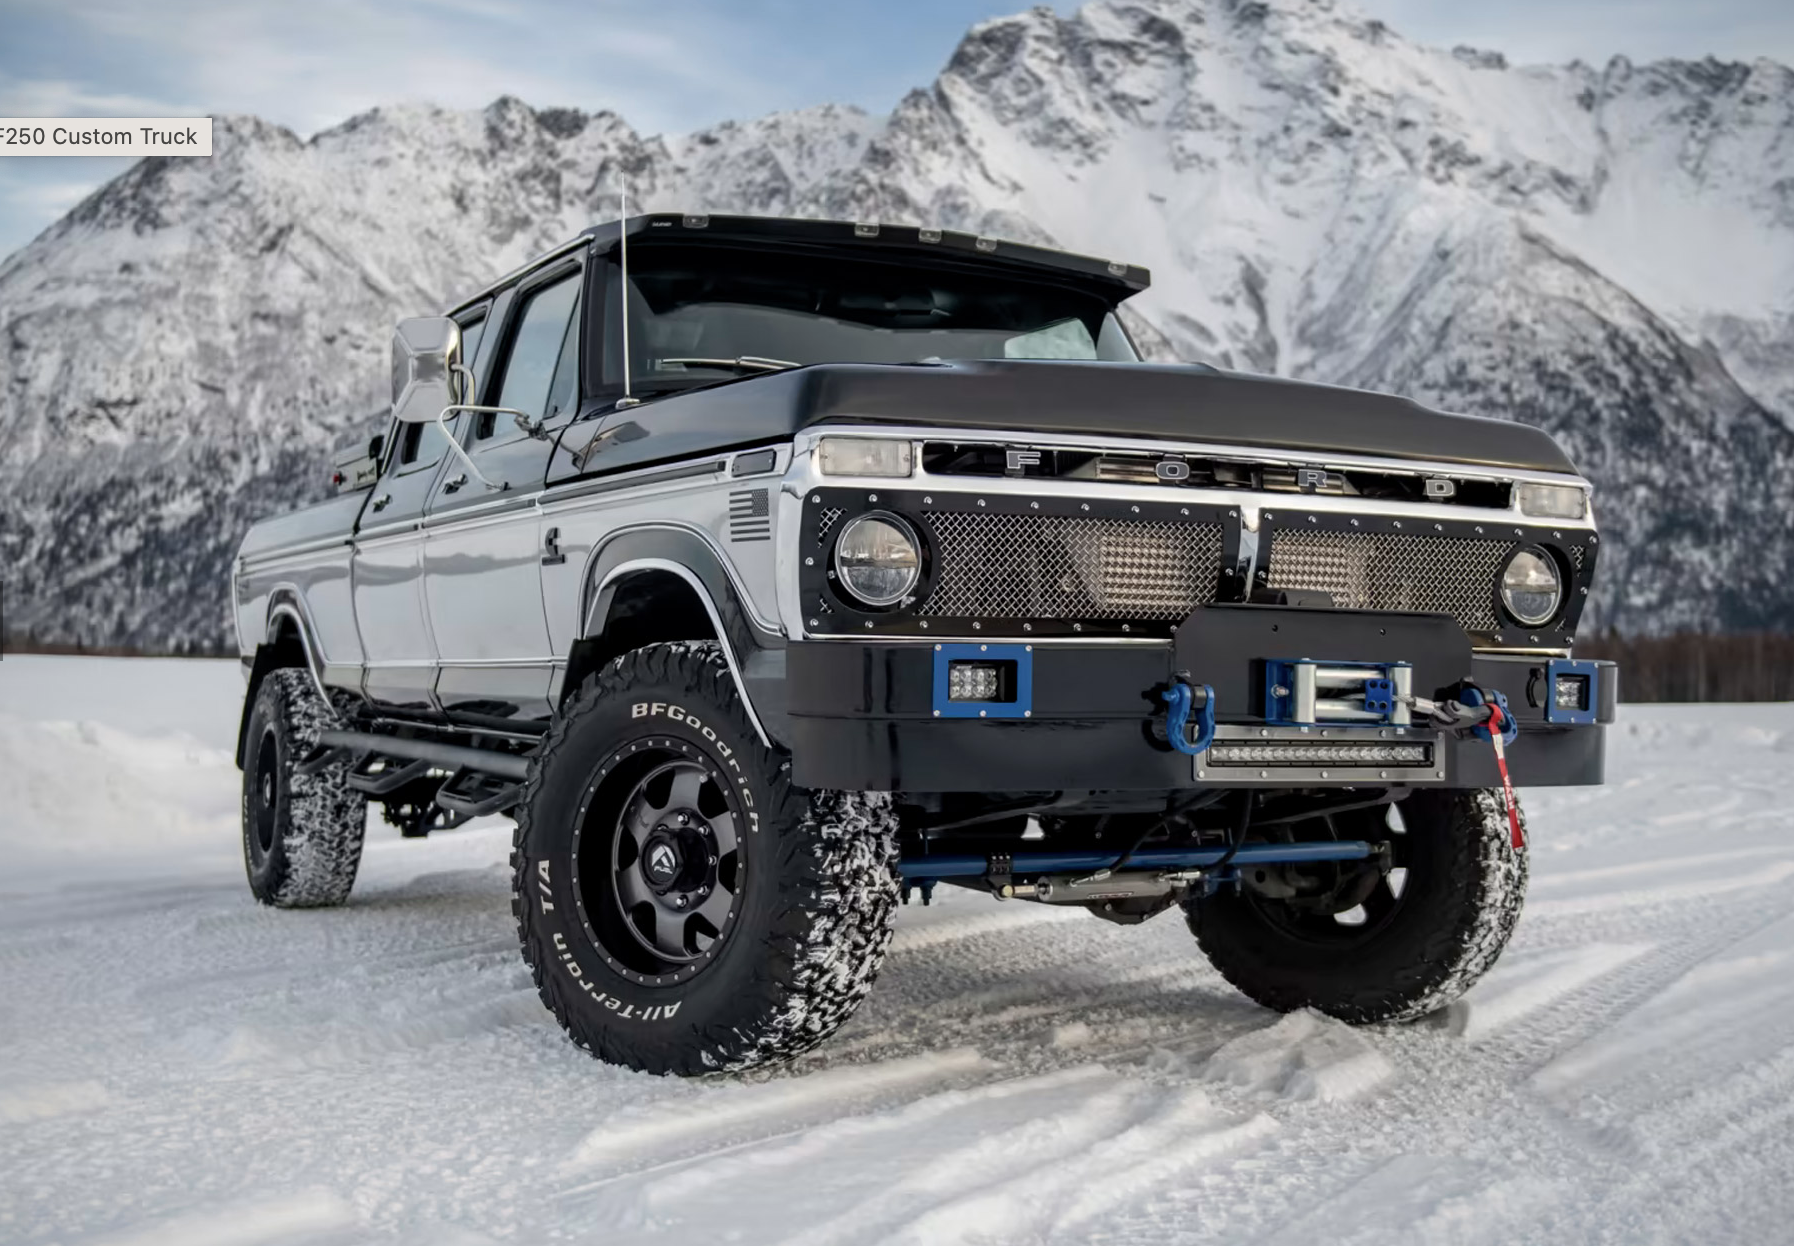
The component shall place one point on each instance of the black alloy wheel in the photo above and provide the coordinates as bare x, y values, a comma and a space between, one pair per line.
676, 862
264, 805
1357, 900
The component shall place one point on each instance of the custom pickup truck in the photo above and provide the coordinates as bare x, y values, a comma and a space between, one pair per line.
772, 572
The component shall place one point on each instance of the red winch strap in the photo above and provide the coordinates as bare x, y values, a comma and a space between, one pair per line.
1518, 837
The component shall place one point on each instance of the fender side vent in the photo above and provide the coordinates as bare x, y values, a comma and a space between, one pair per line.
750, 515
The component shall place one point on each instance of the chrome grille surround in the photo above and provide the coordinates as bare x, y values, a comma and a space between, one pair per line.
1251, 523
1006, 566
1393, 571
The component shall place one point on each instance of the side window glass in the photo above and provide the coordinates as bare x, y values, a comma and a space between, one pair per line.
563, 391
545, 324
421, 443
470, 345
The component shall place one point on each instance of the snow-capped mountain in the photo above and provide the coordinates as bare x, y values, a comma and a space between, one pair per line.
1608, 253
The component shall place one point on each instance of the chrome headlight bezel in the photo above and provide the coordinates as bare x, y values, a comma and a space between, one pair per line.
847, 563
1527, 561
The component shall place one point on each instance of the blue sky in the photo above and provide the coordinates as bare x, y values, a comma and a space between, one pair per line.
665, 65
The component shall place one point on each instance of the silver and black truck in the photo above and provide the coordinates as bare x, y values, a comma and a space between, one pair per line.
770, 573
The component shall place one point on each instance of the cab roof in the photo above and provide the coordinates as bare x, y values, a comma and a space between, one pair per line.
1111, 279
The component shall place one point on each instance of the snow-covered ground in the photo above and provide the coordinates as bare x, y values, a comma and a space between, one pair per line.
178, 1064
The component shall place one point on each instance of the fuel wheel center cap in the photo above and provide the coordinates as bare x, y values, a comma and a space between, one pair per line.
663, 861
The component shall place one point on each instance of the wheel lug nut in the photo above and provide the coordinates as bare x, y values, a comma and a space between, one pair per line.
712, 860
684, 819
682, 901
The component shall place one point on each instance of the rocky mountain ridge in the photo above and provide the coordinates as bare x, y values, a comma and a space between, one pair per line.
1608, 253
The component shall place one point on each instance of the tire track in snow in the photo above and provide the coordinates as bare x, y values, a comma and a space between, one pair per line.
1050, 1128
1060, 1200
846, 1179
954, 1165
717, 1116
1685, 939
310, 1216
1423, 1199
1771, 875
1732, 1009
1520, 986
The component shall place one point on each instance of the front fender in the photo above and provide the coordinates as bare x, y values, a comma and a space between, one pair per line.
756, 657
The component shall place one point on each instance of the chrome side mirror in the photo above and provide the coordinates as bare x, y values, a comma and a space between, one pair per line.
430, 384
426, 369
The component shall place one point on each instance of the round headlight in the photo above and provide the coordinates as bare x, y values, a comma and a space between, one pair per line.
877, 559
1531, 587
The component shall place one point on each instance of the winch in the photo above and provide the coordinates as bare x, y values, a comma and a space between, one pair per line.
1304, 692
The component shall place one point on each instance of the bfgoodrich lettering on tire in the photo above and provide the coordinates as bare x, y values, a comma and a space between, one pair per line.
1409, 945
683, 907
301, 832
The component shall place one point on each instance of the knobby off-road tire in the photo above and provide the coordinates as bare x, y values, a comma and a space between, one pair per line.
301, 833
1458, 905
683, 907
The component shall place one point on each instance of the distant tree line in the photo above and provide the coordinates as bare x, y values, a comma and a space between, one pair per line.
1688, 666
25, 642
1696, 666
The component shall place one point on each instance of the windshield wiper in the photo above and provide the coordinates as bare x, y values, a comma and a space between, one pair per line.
741, 363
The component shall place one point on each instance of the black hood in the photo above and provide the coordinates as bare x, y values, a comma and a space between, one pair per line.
1161, 402
1180, 402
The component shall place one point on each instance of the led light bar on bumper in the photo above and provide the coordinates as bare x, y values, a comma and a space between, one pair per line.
1320, 754
1295, 756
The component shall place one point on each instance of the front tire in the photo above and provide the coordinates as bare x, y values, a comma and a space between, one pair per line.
302, 833
1417, 946
684, 908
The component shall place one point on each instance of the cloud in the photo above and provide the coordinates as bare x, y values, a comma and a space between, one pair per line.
60, 97
311, 65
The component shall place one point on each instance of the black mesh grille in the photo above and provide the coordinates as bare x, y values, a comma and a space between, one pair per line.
1064, 567
1393, 571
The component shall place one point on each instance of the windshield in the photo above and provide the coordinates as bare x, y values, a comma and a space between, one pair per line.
700, 315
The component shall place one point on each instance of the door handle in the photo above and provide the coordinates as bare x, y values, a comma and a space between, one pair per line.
551, 549
455, 484
381, 502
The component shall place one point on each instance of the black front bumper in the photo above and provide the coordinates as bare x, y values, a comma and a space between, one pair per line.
862, 714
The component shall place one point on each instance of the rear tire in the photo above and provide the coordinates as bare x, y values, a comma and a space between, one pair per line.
301, 833
1417, 949
684, 908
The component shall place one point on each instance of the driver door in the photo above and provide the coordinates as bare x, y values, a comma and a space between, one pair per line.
484, 548
386, 570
